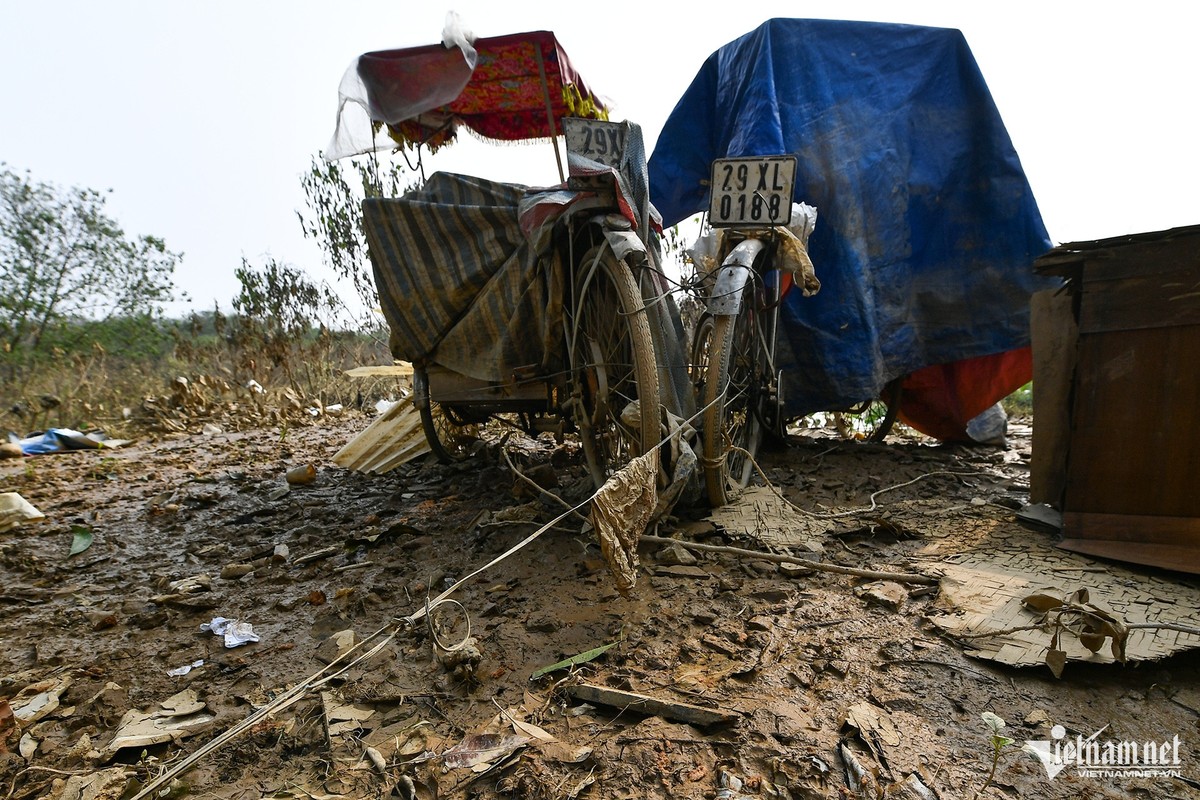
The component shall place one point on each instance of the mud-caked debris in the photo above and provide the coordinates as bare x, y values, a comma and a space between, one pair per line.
888, 594
675, 555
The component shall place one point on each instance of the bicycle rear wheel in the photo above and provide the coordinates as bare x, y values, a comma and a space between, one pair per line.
612, 366
450, 437
733, 392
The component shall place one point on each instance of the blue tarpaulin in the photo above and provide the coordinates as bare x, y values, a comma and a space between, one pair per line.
927, 227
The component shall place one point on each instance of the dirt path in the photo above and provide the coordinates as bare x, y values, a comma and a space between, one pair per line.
808, 673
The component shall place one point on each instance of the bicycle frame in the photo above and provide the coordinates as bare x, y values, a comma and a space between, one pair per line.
751, 210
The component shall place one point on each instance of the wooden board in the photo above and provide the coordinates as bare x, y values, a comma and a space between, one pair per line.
1135, 433
1167, 542
401, 370
1054, 341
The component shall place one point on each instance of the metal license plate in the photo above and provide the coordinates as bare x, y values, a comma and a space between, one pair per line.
751, 192
595, 139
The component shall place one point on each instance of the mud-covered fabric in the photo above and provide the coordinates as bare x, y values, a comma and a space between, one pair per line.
470, 276
458, 283
928, 227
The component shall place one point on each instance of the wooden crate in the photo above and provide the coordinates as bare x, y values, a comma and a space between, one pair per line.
1117, 397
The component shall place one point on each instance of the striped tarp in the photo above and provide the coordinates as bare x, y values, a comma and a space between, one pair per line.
458, 283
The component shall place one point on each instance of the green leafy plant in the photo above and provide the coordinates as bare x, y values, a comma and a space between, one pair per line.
66, 265
1020, 402
76, 290
334, 191
998, 741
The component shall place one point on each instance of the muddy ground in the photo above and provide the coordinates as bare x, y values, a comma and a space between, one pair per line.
190, 527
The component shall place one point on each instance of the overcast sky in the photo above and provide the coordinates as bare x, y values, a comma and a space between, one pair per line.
202, 116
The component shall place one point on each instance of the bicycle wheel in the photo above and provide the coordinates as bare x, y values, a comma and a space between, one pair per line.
733, 392
450, 437
612, 365
701, 348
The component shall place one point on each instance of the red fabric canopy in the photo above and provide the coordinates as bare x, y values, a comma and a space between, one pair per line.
424, 93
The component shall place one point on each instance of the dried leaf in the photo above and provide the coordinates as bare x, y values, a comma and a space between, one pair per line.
1056, 659
1119, 638
1042, 602
27, 747
529, 730
481, 748
1103, 613
1092, 641
587, 781
1080, 597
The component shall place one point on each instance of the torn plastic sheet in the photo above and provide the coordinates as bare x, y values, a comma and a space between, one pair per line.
58, 440
236, 633
179, 672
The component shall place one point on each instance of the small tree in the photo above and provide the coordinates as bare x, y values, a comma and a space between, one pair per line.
279, 310
66, 266
335, 191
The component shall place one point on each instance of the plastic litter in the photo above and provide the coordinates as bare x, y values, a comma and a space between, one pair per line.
990, 426
236, 632
186, 668
58, 440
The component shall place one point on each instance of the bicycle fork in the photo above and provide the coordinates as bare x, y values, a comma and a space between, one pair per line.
726, 299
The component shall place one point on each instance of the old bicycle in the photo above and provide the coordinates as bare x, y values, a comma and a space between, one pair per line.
756, 253
538, 305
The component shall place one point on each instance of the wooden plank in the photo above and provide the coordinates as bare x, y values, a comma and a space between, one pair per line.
1069, 260
1135, 433
1143, 259
1055, 338
393, 438
651, 706
401, 370
1166, 542
1142, 301
1140, 528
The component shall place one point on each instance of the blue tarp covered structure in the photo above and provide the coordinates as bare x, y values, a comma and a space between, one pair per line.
927, 227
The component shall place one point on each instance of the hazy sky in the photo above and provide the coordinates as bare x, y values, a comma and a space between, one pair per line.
202, 116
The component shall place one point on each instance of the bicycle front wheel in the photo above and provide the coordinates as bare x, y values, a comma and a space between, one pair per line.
733, 393
613, 368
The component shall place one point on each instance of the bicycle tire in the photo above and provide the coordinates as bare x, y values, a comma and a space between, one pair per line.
701, 347
450, 439
731, 399
612, 364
